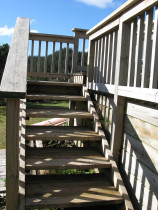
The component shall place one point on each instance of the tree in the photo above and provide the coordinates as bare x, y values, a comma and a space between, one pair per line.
4, 49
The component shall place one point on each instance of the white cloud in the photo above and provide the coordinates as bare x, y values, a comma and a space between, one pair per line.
5, 31
97, 3
33, 31
32, 21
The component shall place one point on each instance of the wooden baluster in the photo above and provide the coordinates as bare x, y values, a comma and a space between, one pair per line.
60, 56
83, 50
154, 60
130, 78
66, 59
105, 59
138, 53
39, 56
95, 62
46, 55
32, 52
108, 59
101, 60
98, 60
113, 57
52, 63
147, 49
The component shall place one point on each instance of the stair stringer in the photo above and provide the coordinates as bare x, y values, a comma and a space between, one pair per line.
105, 148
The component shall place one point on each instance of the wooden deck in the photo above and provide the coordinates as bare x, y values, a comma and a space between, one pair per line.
2, 170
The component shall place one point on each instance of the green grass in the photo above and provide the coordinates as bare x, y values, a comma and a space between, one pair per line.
38, 105
2, 127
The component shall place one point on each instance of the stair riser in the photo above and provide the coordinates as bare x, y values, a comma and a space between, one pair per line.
47, 89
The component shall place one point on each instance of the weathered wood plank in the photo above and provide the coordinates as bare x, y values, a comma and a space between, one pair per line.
51, 38
144, 153
60, 133
60, 57
55, 97
66, 58
52, 63
141, 130
143, 113
32, 54
2, 170
73, 191
45, 60
49, 75
12, 153
39, 56
65, 158
63, 113
14, 78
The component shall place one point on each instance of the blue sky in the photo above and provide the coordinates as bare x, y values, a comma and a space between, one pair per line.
54, 16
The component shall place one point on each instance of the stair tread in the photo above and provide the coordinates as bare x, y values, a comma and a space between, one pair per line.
58, 113
65, 158
60, 133
70, 191
52, 83
55, 97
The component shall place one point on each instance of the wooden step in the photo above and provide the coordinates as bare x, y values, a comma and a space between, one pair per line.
70, 191
52, 83
60, 133
59, 113
55, 97
65, 158
49, 87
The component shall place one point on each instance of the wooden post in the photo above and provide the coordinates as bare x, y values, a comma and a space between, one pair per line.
75, 53
91, 61
12, 154
120, 78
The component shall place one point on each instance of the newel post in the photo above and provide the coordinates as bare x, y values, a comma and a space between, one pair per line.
12, 153
78, 34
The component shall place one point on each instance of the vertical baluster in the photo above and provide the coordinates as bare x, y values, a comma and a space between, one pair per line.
108, 59
154, 60
66, 59
138, 53
113, 57
45, 62
39, 56
53, 54
95, 62
131, 54
147, 49
83, 50
101, 60
32, 52
59, 62
98, 60
105, 58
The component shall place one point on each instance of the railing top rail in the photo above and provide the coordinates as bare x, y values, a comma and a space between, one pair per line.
51, 37
13, 84
80, 30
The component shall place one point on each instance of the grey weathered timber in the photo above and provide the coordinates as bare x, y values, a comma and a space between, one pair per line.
12, 154
55, 97
51, 38
65, 158
14, 78
59, 113
90, 61
70, 191
60, 133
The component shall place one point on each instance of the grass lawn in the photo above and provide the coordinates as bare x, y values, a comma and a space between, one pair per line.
53, 104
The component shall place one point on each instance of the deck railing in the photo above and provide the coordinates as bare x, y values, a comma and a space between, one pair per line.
123, 50
63, 49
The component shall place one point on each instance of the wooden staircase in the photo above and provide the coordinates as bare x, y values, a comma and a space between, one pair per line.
69, 190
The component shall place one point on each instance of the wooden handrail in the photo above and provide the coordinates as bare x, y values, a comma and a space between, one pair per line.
13, 84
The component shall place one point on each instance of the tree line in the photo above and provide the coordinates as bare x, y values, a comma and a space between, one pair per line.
56, 59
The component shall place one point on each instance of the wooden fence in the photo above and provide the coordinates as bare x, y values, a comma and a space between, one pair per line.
123, 81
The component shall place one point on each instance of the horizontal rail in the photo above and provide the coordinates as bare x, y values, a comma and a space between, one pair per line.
13, 84
145, 94
51, 38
